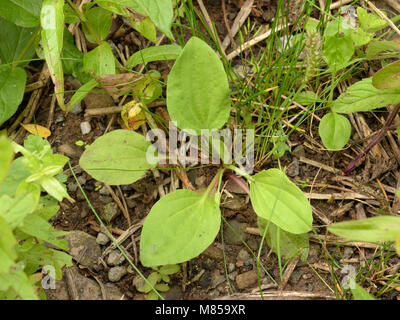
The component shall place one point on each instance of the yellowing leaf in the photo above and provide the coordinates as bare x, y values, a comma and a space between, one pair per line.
36, 129
133, 115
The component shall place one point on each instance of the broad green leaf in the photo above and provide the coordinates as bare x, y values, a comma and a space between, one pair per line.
19, 282
336, 27
25, 188
338, 51
117, 6
334, 130
370, 22
388, 77
36, 226
160, 12
307, 97
165, 52
39, 255
98, 24
118, 157
361, 37
17, 173
15, 210
70, 16
12, 88
52, 22
146, 28
14, 41
82, 92
47, 207
397, 244
72, 58
37, 145
100, 60
363, 96
6, 157
383, 228
376, 47
359, 293
276, 198
7, 243
24, 13
197, 89
54, 188
289, 245
179, 227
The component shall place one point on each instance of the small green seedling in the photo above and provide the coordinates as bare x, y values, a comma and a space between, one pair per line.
25, 232
159, 280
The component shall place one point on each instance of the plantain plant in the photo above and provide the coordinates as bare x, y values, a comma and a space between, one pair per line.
183, 223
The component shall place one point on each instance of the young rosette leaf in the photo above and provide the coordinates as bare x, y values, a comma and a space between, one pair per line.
198, 89
276, 198
179, 227
388, 77
384, 228
118, 157
334, 130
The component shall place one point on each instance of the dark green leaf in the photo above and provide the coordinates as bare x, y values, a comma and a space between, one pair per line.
12, 88
24, 13
13, 41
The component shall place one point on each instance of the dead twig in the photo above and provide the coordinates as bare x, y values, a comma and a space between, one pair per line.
239, 20
252, 42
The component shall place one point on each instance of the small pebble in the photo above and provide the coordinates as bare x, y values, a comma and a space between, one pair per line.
138, 282
115, 258
82, 180
77, 108
246, 279
231, 267
116, 273
217, 278
102, 239
59, 119
70, 151
243, 255
104, 191
72, 187
232, 275
85, 127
